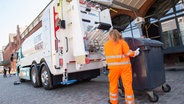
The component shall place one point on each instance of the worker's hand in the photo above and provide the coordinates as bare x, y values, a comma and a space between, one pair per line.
137, 52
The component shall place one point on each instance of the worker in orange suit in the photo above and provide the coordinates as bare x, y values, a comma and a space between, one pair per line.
118, 55
13, 63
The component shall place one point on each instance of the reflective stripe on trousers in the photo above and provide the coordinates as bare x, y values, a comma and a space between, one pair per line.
118, 63
114, 98
129, 99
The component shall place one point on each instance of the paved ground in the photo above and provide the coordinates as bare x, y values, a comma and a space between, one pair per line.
93, 92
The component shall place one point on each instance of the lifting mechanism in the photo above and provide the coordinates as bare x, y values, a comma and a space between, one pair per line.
95, 38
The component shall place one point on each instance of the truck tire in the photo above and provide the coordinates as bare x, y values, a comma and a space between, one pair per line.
46, 78
35, 77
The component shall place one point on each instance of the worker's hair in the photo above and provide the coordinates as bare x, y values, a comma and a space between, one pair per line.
115, 34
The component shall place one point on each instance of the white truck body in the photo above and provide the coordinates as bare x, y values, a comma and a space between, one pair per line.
68, 50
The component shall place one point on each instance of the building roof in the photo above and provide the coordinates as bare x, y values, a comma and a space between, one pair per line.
124, 10
123, 4
139, 7
161, 7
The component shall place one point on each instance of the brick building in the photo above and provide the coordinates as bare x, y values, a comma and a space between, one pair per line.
15, 40
12, 46
1, 59
18, 38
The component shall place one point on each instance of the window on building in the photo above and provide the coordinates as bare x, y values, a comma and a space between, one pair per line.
179, 6
170, 34
127, 34
170, 11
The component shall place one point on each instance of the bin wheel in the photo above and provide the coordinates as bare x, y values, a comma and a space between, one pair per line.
166, 88
153, 97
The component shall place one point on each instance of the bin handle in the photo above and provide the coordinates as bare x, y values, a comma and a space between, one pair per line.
144, 48
66, 44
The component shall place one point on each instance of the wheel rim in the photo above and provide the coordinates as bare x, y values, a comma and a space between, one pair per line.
33, 74
45, 77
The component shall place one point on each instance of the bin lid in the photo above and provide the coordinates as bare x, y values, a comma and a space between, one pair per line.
143, 42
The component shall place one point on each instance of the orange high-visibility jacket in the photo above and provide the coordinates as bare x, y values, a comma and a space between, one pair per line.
117, 53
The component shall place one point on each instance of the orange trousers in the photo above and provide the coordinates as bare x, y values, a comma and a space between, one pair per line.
13, 66
126, 75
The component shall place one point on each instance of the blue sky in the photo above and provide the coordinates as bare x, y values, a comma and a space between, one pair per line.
17, 12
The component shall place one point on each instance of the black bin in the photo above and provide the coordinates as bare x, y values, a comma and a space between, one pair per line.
148, 66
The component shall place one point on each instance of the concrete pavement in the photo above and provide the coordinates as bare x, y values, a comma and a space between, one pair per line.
93, 92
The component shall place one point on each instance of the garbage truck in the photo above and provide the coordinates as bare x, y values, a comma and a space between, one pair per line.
64, 44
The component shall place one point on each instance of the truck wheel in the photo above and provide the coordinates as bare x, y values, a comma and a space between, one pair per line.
46, 78
35, 77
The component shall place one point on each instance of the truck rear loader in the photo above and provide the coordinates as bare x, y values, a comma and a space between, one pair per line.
65, 43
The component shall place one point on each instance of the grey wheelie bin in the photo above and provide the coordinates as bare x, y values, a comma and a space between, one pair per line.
148, 67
